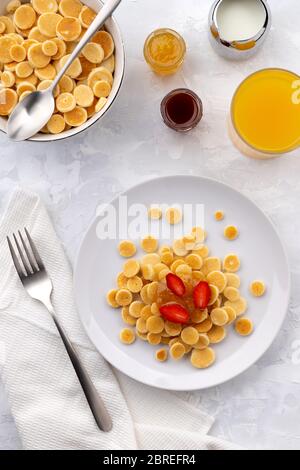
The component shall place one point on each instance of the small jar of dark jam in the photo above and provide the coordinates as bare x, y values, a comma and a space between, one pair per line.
181, 110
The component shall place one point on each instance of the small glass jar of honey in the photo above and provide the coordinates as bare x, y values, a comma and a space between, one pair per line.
164, 51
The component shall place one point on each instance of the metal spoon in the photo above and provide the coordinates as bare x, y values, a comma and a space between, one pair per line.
36, 109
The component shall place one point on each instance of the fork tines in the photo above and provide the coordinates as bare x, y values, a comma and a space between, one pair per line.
29, 260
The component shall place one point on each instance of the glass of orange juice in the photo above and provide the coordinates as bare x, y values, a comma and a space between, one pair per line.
265, 114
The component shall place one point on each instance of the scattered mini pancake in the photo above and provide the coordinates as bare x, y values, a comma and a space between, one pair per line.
219, 215
127, 336
46, 73
257, 288
2, 27
149, 244
240, 305
49, 48
173, 215
12, 6
154, 213
202, 358
70, 8
233, 280
189, 335
127, 248
66, 84
161, 355
56, 124
93, 52
97, 74
36, 57
102, 89
131, 268
100, 104
231, 232
177, 351
47, 24
105, 40
7, 79
25, 86
231, 263
216, 334
219, 316
218, 279
86, 16
61, 48
45, 6
6, 43
86, 66
68, 29
65, 102
36, 35
135, 309
75, 68
45, 84
203, 341
127, 318
17, 53
231, 293
109, 63
9, 26
8, 100
123, 297
243, 326
32, 79
83, 95
153, 338
155, 324
24, 17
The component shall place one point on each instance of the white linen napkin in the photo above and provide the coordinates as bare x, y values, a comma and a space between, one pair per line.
46, 399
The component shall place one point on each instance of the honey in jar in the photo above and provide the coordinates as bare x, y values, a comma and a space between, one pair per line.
164, 51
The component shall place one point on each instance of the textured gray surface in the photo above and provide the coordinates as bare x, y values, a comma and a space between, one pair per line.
259, 409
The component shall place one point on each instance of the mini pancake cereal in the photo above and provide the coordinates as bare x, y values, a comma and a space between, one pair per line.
100, 104
104, 39
36, 39
70, 8
83, 95
179, 297
49, 48
8, 100
173, 215
69, 29
219, 215
47, 24
65, 102
56, 124
86, 16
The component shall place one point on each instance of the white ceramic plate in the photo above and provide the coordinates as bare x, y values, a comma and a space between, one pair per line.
262, 256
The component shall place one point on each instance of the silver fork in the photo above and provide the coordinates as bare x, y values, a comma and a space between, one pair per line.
37, 283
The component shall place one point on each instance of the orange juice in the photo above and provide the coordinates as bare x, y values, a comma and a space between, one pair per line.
265, 111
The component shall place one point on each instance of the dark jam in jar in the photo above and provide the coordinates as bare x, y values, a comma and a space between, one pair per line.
181, 110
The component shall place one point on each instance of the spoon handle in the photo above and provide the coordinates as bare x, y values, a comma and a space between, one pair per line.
104, 13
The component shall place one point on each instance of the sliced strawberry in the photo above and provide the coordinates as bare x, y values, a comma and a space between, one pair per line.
175, 284
201, 294
175, 313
